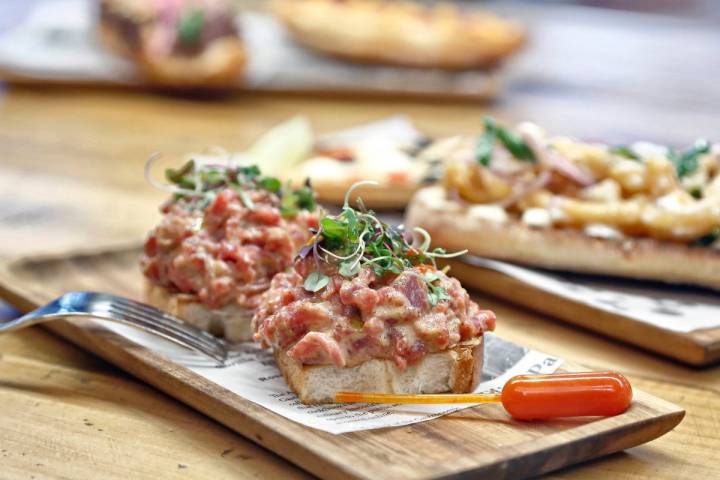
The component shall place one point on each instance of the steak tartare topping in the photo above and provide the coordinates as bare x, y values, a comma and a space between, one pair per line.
361, 290
225, 233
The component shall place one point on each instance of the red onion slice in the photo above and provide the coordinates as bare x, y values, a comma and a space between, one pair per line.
526, 189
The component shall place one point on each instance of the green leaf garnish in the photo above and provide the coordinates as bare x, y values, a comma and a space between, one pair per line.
207, 199
624, 151
271, 184
334, 231
246, 200
708, 239
316, 281
294, 201
687, 161
178, 176
305, 198
201, 182
349, 269
190, 27
436, 293
357, 239
486, 143
511, 141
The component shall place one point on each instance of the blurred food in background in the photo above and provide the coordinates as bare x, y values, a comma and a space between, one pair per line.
181, 43
399, 32
235, 45
391, 152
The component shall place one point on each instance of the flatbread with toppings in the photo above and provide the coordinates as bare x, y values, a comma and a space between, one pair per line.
641, 210
366, 309
401, 32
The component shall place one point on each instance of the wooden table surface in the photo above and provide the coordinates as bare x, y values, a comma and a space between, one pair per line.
68, 414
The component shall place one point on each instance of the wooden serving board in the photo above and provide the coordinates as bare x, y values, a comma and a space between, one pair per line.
481, 442
700, 347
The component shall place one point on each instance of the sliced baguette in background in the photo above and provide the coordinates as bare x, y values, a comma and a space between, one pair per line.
455, 370
401, 33
452, 226
385, 197
123, 29
231, 322
220, 64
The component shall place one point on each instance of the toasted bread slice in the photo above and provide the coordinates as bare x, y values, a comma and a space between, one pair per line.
453, 227
401, 33
385, 197
121, 28
219, 65
455, 370
231, 322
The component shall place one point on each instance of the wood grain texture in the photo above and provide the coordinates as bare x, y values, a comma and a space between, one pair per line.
479, 441
97, 409
698, 348
585, 74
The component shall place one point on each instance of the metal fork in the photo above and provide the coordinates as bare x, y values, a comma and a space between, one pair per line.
105, 306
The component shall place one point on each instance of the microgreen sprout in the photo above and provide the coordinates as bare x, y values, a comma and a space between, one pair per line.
357, 239
199, 184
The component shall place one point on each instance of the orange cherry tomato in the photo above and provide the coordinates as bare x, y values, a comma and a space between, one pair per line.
540, 397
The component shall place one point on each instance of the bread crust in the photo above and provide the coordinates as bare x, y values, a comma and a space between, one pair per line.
456, 370
400, 33
383, 197
452, 226
231, 322
219, 64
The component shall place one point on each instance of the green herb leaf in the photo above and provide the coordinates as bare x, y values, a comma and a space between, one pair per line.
436, 293
316, 281
511, 141
430, 277
214, 178
288, 203
349, 269
687, 162
515, 145
333, 230
270, 184
357, 239
624, 151
486, 143
189, 28
178, 176
250, 171
206, 200
293, 201
708, 239
247, 201
306, 198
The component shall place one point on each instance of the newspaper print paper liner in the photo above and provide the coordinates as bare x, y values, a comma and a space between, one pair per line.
252, 374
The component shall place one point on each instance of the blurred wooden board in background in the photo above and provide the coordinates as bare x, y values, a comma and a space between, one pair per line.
57, 44
698, 347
